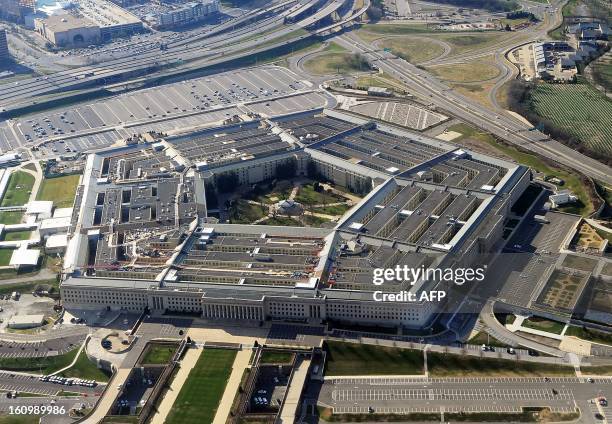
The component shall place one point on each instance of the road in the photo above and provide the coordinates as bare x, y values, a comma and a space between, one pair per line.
505, 127
228, 41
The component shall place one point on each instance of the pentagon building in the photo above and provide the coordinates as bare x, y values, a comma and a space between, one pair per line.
141, 236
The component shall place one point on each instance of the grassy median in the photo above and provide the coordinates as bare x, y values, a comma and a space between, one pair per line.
199, 397
357, 359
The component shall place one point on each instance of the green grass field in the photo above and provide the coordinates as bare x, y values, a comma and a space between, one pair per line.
11, 217
332, 210
158, 354
60, 190
464, 43
44, 365
16, 235
26, 287
544, 324
308, 196
413, 50
271, 357
18, 191
470, 72
579, 110
449, 365
483, 338
19, 419
314, 221
199, 397
282, 221
590, 335
243, 212
84, 368
5, 256
355, 359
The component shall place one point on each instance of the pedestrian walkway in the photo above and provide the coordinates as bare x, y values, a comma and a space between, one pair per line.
165, 406
225, 405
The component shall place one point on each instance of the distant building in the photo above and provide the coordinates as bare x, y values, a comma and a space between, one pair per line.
113, 21
184, 14
16, 10
67, 30
26, 321
4, 52
380, 91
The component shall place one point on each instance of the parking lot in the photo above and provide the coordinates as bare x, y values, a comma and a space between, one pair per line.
403, 395
528, 257
31, 384
169, 107
468, 393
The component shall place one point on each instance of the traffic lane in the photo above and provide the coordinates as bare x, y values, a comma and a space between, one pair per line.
31, 384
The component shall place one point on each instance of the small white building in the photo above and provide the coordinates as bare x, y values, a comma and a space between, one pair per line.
41, 209
54, 225
62, 212
24, 257
26, 321
56, 243
561, 198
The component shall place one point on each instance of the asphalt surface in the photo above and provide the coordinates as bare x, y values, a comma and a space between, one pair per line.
222, 43
405, 395
29, 383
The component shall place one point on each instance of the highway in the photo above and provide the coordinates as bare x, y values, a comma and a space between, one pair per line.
222, 43
156, 58
507, 128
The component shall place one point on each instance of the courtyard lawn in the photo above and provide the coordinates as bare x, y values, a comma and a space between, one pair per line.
243, 212
358, 359
308, 196
199, 397
158, 354
282, 221
271, 357
332, 210
18, 191
60, 190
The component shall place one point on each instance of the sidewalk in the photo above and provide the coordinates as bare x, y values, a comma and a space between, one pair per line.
225, 405
165, 406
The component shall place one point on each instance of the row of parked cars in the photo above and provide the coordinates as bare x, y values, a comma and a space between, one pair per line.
68, 381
